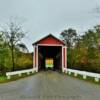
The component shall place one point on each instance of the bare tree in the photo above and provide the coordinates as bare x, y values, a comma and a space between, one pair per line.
13, 35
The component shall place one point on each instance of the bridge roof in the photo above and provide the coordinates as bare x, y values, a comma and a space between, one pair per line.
49, 40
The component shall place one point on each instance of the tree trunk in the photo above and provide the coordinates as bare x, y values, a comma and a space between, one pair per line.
13, 63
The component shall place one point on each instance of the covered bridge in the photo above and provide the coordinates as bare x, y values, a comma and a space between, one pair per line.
52, 48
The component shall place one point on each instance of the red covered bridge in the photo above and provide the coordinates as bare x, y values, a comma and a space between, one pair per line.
50, 47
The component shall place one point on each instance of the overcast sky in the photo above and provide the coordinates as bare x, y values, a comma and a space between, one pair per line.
41, 17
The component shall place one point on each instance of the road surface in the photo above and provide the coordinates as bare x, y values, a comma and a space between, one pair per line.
49, 85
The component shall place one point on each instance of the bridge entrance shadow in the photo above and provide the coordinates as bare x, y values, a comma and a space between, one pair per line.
53, 52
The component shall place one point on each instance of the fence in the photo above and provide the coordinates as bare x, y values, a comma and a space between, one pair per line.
84, 74
9, 74
69, 71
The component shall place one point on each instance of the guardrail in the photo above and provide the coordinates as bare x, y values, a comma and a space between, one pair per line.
9, 74
84, 74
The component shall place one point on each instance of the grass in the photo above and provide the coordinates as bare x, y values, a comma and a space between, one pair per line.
3, 79
88, 79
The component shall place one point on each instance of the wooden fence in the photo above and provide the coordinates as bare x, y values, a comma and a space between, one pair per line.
84, 74
9, 74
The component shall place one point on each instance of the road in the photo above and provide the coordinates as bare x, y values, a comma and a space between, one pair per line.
49, 85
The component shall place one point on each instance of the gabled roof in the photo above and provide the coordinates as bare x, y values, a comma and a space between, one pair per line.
46, 37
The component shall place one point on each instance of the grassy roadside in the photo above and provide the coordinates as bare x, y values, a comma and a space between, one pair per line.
88, 79
3, 79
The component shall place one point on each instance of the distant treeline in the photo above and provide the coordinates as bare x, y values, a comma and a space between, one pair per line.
83, 51
21, 60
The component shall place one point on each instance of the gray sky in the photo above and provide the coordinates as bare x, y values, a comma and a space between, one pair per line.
41, 17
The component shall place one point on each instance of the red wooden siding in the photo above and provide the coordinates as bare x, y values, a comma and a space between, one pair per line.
49, 40
64, 56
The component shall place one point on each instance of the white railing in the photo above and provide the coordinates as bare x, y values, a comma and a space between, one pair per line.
9, 74
83, 73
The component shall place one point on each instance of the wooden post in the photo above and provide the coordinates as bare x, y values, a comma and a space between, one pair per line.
84, 76
37, 58
34, 58
96, 79
62, 60
65, 57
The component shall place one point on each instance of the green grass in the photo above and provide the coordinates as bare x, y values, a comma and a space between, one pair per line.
88, 79
3, 79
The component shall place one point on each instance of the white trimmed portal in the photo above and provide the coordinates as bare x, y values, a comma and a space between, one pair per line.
55, 46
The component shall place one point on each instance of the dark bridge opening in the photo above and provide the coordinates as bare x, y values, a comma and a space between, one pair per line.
53, 52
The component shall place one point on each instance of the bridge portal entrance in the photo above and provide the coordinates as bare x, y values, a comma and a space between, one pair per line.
50, 53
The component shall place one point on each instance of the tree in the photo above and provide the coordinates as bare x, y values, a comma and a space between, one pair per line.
83, 51
89, 51
3, 53
69, 37
1, 39
13, 35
